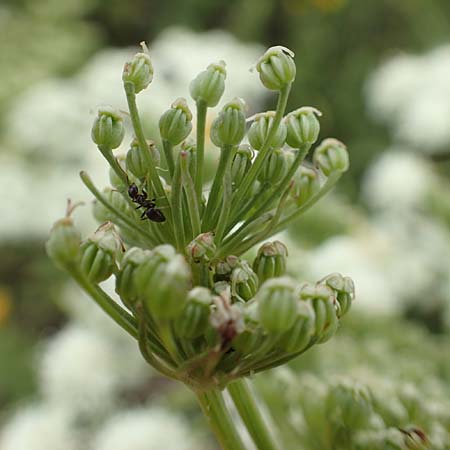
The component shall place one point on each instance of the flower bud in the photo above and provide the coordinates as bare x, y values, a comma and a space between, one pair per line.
193, 321
276, 68
98, 253
244, 282
137, 161
126, 278
276, 166
252, 335
241, 164
270, 261
299, 336
108, 130
259, 130
202, 248
116, 200
220, 287
228, 128
324, 304
139, 71
303, 127
344, 290
224, 267
209, 85
176, 123
331, 156
348, 404
190, 148
306, 184
63, 245
277, 300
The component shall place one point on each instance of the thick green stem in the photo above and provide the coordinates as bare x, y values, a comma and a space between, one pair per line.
250, 413
263, 152
225, 155
112, 161
176, 201
219, 420
226, 203
168, 152
201, 125
189, 188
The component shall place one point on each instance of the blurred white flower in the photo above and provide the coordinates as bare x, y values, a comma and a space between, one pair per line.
397, 180
39, 427
145, 429
411, 94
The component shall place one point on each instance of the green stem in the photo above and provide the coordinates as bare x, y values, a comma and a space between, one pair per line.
225, 155
177, 210
201, 125
250, 413
108, 155
109, 306
263, 153
226, 203
219, 420
168, 152
189, 188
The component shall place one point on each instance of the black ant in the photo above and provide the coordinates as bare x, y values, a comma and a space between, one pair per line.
150, 211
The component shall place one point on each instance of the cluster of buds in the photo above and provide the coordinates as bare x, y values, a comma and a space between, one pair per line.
201, 312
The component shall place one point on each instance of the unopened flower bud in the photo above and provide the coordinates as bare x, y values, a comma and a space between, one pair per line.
139, 71
325, 306
331, 156
176, 123
241, 164
299, 336
252, 335
276, 68
63, 245
344, 289
193, 320
98, 253
138, 162
270, 261
348, 404
116, 200
126, 278
259, 130
224, 267
202, 248
276, 166
244, 282
228, 128
277, 300
305, 185
108, 130
303, 127
209, 85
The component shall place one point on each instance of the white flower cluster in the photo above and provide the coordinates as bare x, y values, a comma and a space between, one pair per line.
48, 129
83, 372
412, 95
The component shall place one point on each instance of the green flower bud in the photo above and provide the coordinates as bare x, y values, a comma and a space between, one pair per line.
276, 68
276, 166
116, 199
348, 404
193, 321
331, 156
137, 161
63, 245
139, 71
270, 261
108, 130
303, 127
242, 161
98, 253
344, 290
259, 130
223, 268
244, 282
277, 300
306, 184
228, 128
252, 335
126, 278
209, 85
325, 306
299, 336
202, 248
175, 124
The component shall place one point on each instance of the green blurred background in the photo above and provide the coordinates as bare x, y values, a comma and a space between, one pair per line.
338, 45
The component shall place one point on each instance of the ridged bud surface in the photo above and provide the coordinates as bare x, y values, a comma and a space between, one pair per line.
259, 130
202, 248
241, 164
63, 245
228, 128
270, 261
175, 124
276, 166
276, 68
108, 130
209, 85
305, 185
137, 161
138, 71
244, 282
331, 156
303, 127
